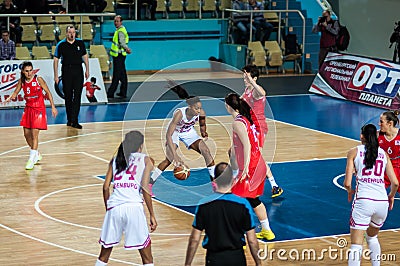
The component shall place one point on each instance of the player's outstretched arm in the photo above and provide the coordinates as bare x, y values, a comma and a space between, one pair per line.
13, 96
147, 197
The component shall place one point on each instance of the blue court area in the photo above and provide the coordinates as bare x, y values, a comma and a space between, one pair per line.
311, 205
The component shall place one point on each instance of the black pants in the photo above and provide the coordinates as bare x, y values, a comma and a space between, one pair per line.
323, 51
119, 74
226, 258
72, 78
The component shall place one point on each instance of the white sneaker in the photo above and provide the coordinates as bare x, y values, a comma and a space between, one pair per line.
38, 158
29, 165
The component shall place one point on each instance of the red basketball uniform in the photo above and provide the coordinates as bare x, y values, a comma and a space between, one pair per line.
392, 148
34, 115
258, 107
253, 186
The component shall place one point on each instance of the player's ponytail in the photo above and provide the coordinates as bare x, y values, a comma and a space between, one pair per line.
182, 93
371, 145
132, 142
239, 105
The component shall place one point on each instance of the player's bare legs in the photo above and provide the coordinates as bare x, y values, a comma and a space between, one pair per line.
104, 255
201, 147
266, 231
32, 138
145, 253
276, 189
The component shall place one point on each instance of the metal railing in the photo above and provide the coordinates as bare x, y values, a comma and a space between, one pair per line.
251, 12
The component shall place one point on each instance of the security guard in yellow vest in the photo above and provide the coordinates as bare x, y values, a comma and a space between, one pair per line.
119, 49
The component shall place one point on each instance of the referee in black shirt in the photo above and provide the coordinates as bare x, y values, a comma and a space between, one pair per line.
72, 53
226, 218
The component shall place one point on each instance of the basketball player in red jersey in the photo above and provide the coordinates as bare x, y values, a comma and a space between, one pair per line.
246, 157
34, 117
389, 140
254, 95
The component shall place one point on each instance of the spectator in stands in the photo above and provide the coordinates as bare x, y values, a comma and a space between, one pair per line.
99, 5
15, 29
329, 29
7, 46
263, 28
242, 22
119, 50
152, 5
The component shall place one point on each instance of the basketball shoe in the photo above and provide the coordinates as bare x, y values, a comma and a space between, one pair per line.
265, 234
39, 157
29, 164
276, 191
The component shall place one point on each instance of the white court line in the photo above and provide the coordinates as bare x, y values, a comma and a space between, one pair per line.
336, 183
59, 246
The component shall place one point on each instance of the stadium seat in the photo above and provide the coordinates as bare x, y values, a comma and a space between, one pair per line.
100, 52
86, 33
192, 6
29, 34
176, 6
44, 20
22, 53
63, 20
47, 33
256, 54
40, 52
210, 6
27, 21
162, 8
274, 55
110, 7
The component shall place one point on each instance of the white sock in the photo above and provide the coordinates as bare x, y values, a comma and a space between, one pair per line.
148, 264
100, 263
33, 155
271, 180
265, 224
375, 248
355, 255
211, 170
156, 173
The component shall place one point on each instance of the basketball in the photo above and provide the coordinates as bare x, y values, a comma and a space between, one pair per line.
181, 172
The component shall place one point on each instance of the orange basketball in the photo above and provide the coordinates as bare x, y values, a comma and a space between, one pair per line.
181, 172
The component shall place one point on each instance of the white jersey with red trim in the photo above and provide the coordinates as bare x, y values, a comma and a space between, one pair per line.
127, 182
185, 124
370, 182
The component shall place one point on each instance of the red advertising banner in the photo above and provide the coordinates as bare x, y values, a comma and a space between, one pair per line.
359, 79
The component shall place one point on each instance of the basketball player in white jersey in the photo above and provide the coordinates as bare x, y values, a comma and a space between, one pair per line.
130, 172
371, 202
181, 128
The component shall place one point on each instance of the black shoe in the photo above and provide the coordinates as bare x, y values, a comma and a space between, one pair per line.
110, 96
77, 126
121, 95
69, 124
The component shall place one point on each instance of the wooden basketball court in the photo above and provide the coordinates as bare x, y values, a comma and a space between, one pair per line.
52, 215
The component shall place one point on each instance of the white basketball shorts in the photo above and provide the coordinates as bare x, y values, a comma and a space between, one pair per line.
366, 212
129, 218
188, 138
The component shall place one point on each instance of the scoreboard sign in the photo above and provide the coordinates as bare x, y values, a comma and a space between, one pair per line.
370, 81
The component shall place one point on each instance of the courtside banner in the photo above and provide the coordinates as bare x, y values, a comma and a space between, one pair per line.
365, 80
10, 73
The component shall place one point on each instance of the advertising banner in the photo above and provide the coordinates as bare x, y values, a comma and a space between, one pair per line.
10, 73
364, 80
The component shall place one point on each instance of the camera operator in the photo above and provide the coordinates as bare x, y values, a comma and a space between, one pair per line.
329, 29
395, 38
